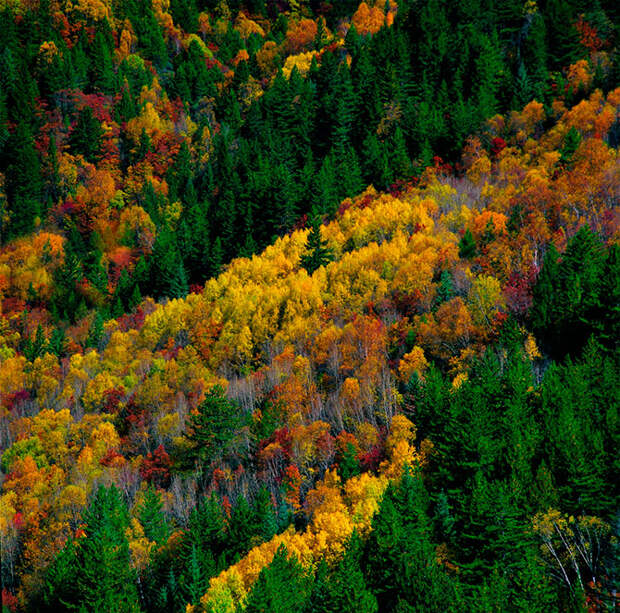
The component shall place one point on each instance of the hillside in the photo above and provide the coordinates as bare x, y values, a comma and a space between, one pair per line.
426, 311
293, 319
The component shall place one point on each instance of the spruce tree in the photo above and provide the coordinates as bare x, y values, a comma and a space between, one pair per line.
281, 587
467, 246
215, 425
86, 135
151, 516
318, 253
105, 578
347, 586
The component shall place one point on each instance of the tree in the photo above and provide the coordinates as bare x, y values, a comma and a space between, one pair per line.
23, 181
281, 587
401, 561
106, 579
213, 427
567, 299
319, 254
86, 135
347, 586
152, 517
467, 246
94, 572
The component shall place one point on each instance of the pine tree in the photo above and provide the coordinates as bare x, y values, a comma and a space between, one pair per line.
86, 135
349, 464
445, 291
572, 141
151, 516
467, 246
95, 334
194, 583
347, 586
318, 253
105, 577
265, 514
215, 425
60, 588
281, 587
325, 188
35, 348
101, 67
23, 181
401, 562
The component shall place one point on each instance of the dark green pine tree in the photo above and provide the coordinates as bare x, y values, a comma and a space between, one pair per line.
349, 465
344, 104
572, 140
567, 295
400, 559
57, 342
167, 273
534, 54
23, 181
467, 246
60, 589
86, 135
266, 521
445, 291
185, 14
320, 597
399, 156
33, 348
213, 428
126, 108
543, 314
281, 587
65, 300
349, 175
347, 587
240, 528
152, 518
207, 528
563, 39
318, 253
325, 188
606, 318
104, 576
95, 334
102, 67
376, 165
193, 581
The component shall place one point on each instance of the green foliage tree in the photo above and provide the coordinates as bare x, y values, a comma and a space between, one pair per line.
94, 573
281, 587
467, 246
210, 431
151, 516
319, 254
87, 134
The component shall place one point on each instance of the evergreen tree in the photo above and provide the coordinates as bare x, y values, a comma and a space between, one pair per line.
281, 587
215, 425
95, 334
467, 246
319, 254
347, 586
86, 135
94, 573
400, 559
151, 516
23, 181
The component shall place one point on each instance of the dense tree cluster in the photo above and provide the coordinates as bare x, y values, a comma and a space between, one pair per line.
405, 402
160, 140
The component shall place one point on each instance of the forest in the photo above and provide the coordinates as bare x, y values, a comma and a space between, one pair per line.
309, 306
